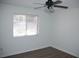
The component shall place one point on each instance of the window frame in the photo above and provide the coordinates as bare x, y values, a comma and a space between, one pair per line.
37, 22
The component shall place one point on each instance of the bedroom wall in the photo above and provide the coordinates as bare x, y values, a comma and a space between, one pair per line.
65, 34
11, 45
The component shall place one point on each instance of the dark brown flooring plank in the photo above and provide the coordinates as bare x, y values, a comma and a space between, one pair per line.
48, 52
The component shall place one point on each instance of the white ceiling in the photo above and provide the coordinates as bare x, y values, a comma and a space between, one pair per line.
29, 3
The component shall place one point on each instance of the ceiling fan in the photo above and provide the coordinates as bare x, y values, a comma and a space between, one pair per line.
50, 4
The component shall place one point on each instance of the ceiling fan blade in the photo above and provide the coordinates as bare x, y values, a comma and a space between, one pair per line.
59, 6
39, 7
38, 3
58, 2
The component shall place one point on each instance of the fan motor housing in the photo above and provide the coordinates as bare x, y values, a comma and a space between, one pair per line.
49, 4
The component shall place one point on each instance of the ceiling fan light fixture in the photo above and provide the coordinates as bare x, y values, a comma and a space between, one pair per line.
50, 4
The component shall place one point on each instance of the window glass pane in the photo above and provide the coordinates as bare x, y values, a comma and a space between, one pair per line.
31, 25
19, 26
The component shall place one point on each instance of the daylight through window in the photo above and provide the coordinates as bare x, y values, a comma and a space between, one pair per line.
24, 25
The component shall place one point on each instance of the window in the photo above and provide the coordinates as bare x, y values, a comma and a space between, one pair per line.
24, 25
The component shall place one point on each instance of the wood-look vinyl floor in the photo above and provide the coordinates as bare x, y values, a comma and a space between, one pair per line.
48, 52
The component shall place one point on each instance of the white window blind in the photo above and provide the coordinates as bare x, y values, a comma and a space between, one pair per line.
24, 25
